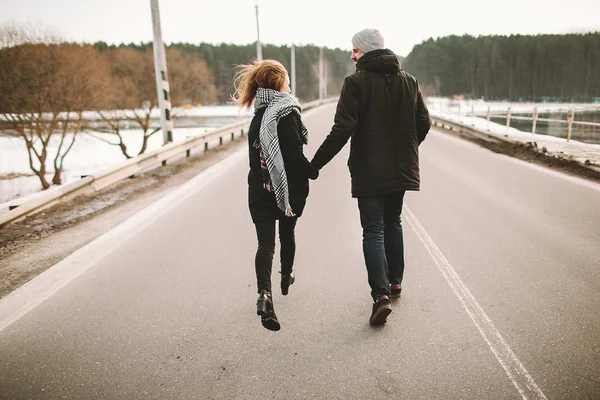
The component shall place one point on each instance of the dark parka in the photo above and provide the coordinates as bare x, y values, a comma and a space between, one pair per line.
298, 169
381, 108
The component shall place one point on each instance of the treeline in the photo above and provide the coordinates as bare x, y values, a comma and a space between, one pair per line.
124, 74
67, 77
557, 67
222, 60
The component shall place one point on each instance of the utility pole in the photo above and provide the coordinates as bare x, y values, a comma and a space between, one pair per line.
324, 78
293, 78
162, 82
258, 45
321, 74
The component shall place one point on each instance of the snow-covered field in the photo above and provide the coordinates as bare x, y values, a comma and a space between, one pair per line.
176, 112
88, 156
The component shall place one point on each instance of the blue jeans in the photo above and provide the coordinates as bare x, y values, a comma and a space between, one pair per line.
383, 242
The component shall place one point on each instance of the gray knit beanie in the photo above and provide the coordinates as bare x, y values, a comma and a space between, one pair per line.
368, 40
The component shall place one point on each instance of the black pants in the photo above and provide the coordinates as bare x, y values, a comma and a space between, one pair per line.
265, 232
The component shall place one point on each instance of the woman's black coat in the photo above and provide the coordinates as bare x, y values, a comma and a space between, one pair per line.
261, 202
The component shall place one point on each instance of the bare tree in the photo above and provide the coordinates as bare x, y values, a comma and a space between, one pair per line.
44, 90
190, 79
131, 96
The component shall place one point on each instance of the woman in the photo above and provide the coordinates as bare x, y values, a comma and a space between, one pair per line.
279, 173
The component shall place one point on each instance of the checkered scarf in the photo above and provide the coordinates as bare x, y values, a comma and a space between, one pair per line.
278, 105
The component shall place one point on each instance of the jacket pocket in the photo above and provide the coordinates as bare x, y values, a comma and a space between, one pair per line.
353, 159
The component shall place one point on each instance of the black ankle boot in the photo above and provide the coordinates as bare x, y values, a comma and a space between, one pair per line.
286, 281
264, 308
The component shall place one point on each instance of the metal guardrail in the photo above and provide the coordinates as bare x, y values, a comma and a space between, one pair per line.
90, 184
463, 128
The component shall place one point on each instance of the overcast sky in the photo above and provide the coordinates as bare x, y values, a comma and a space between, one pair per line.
321, 22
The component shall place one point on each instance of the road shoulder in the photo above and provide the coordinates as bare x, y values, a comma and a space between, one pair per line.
32, 245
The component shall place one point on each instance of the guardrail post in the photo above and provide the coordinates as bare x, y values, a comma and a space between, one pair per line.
220, 140
205, 146
472, 114
242, 133
535, 117
569, 123
187, 152
507, 119
232, 133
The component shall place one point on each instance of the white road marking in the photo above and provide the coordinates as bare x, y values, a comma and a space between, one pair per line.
27, 297
516, 372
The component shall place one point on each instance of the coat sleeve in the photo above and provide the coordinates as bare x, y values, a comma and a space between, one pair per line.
345, 121
289, 133
423, 122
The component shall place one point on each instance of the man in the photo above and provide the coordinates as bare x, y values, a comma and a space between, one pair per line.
381, 108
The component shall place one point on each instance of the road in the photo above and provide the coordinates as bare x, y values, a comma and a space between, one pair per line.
500, 296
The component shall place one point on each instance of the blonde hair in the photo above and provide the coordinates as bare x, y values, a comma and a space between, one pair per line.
268, 74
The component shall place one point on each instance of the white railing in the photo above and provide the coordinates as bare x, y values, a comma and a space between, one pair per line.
90, 184
570, 121
514, 111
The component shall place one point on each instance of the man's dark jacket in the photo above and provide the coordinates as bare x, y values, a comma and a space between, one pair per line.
381, 108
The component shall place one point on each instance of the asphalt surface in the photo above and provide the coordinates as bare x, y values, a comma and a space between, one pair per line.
500, 298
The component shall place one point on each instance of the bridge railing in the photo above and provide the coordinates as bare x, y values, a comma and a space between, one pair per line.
525, 112
94, 183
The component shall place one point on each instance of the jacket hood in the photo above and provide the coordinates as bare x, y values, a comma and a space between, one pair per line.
381, 61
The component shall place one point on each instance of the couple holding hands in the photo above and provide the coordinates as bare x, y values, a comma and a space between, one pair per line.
381, 109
